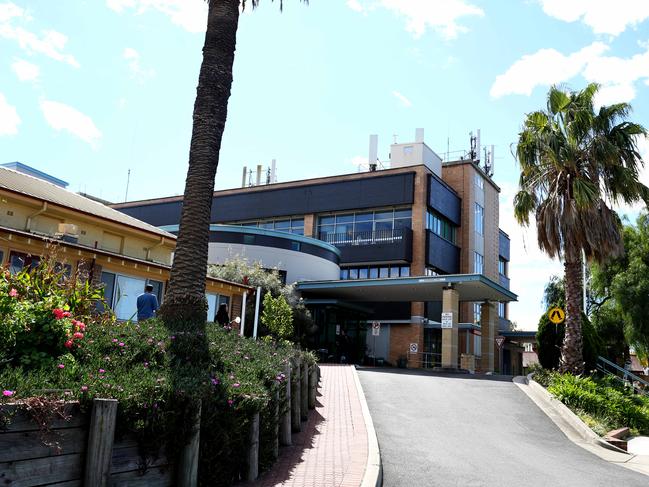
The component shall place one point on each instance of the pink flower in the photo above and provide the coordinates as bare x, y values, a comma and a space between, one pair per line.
58, 313
146, 364
215, 381
68, 344
230, 402
78, 335
8, 393
115, 340
236, 385
13, 293
121, 344
102, 371
79, 325
84, 388
66, 314
61, 366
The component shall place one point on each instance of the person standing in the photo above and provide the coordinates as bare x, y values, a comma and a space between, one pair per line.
147, 304
222, 316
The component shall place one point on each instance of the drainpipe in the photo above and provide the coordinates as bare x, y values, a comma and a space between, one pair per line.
149, 249
28, 223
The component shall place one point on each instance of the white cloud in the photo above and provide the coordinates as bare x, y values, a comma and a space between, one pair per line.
50, 43
602, 16
404, 101
543, 68
9, 119
617, 75
441, 16
191, 15
137, 71
25, 70
63, 117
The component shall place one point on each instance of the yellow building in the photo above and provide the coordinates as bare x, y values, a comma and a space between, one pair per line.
125, 254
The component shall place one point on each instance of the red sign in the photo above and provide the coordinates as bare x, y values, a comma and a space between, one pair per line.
499, 341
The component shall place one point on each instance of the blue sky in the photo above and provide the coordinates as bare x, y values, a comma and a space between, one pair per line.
91, 89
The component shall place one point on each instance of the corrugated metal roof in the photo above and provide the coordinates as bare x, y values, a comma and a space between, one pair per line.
37, 188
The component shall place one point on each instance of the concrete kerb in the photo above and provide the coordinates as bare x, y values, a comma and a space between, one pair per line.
576, 430
373, 476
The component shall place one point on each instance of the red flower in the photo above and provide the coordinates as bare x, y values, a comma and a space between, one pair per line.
66, 314
68, 344
58, 313
78, 335
13, 293
79, 326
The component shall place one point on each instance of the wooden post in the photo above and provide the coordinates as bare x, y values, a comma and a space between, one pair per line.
296, 398
188, 461
313, 385
100, 442
304, 389
253, 449
276, 419
285, 423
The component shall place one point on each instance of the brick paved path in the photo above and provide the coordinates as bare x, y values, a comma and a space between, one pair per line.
331, 450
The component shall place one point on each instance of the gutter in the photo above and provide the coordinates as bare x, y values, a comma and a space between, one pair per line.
28, 223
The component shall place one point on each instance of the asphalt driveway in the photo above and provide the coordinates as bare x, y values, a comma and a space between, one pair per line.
440, 430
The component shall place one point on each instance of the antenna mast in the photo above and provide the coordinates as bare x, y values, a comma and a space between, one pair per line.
128, 180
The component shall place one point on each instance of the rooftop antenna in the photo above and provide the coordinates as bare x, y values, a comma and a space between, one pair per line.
373, 154
394, 136
128, 180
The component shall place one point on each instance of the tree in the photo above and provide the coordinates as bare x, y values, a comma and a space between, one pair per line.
278, 317
185, 305
575, 162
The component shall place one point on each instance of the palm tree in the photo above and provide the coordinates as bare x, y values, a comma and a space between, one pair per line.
576, 163
185, 307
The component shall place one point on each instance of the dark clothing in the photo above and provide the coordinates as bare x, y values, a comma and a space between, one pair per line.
222, 317
147, 305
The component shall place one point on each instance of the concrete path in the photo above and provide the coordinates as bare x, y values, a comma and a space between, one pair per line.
332, 449
437, 430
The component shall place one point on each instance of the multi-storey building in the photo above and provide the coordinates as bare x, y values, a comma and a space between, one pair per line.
400, 226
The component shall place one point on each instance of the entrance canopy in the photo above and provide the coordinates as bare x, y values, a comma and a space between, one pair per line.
471, 287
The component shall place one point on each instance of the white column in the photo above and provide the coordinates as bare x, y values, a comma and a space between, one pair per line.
254, 332
242, 325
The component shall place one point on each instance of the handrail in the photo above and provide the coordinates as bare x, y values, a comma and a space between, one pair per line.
363, 238
602, 364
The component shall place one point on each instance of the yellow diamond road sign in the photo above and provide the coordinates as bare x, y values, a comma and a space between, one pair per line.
556, 315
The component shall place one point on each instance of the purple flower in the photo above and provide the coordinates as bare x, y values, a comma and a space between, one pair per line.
8, 393
121, 344
61, 366
215, 381
146, 364
173, 337
230, 402
84, 388
115, 340
102, 371
236, 385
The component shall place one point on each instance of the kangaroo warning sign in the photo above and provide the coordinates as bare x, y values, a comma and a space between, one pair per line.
556, 315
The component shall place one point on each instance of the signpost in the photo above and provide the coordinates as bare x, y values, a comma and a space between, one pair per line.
447, 320
556, 315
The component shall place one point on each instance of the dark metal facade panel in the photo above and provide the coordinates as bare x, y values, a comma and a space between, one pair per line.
157, 214
503, 245
369, 192
244, 238
399, 250
442, 254
504, 281
444, 200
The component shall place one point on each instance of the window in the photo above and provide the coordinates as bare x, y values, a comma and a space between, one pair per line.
288, 225
249, 239
431, 272
374, 272
529, 347
108, 282
479, 219
157, 288
376, 225
478, 180
477, 312
502, 310
2, 257
477, 345
502, 266
296, 246
18, 261
440, 226
478, 263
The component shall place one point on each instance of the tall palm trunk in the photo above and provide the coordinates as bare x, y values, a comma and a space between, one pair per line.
572, 358
185, 307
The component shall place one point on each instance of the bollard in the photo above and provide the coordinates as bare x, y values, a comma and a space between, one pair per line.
296, 398
304, 389
313, 385
253, 449
285, 422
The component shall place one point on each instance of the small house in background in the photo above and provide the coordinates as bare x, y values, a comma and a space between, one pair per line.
37, 213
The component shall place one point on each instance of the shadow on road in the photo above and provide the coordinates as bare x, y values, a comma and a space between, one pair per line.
391, 370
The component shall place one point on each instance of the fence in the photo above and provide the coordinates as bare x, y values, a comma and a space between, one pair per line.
81, 449
363, 238
607, 367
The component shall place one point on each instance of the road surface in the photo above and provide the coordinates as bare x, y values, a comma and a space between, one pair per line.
440, 430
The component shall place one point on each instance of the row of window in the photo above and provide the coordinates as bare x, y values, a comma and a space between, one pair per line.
477, 311
374, 272
502, 266
478, 263
288, 225
441, 226
383, 222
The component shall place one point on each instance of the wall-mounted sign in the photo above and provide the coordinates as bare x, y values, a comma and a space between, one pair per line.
376, 328
447, 320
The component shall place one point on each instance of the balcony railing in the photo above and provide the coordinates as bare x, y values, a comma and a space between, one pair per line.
365, 238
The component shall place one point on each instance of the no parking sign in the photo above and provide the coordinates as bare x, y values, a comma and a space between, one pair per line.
414, 347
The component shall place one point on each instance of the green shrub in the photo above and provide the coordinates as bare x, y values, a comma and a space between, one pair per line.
549, 339
277, 317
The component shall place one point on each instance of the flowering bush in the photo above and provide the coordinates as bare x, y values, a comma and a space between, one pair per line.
43, 314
